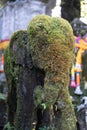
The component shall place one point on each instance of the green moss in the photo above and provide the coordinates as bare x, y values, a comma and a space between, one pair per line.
44, 30
45, 128
7, 62
47, 95
12, 53
8, 127
15, 56
2, 96
51, 46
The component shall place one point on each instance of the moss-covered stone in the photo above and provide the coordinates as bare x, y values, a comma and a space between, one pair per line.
39, 62
22, 78
16, 70
51, 46
11, 101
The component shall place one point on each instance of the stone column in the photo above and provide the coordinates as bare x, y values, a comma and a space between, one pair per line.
16, 15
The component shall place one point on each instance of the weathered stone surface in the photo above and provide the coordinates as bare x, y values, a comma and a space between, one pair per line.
16, 15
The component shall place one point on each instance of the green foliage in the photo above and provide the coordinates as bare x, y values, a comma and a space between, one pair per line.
2, 96
46, 95
38, 96
9, 127
46, 128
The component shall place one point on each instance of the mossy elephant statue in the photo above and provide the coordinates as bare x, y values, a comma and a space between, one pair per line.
37, 64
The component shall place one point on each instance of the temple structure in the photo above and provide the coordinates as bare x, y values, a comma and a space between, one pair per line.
16, 15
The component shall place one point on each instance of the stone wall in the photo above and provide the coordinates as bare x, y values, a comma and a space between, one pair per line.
16, 15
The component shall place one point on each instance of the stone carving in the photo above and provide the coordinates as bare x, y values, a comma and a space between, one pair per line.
39, 60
